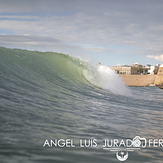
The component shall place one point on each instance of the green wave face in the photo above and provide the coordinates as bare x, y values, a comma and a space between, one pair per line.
58, 70
42, 74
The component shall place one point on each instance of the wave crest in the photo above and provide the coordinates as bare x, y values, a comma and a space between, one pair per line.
105, 78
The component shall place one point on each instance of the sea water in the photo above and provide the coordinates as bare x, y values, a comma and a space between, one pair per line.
57, 108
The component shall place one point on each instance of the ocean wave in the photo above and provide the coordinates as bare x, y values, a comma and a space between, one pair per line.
60, 69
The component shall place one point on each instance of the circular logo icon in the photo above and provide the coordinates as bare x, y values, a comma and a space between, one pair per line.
122, 154
136, 143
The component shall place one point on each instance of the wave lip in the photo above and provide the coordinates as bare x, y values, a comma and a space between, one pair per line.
107, 79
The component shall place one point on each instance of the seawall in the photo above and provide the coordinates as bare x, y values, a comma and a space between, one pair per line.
138, 80
159, 76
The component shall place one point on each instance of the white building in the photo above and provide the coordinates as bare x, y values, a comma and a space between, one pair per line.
151, 70
148, 66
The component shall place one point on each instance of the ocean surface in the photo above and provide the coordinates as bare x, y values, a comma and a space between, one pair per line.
48, 96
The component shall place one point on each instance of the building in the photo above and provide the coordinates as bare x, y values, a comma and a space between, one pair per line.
127, 70
148, 66
136, 65
153, 69
136, 69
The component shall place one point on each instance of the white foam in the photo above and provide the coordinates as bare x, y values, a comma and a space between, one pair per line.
105, 78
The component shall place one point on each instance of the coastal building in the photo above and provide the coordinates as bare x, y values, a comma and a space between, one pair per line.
136, 65
148, 66
136, 69
153, 69
127, 70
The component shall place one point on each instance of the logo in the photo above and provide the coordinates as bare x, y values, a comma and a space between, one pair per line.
137, 142
122, 154
122, 147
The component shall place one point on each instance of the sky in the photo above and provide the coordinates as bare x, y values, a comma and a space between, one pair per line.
113, 32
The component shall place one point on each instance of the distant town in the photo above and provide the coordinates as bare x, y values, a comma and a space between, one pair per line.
137, 69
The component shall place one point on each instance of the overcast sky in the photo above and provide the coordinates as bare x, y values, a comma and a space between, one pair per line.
110, 31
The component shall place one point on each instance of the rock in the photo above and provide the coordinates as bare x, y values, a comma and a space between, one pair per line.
160, 86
